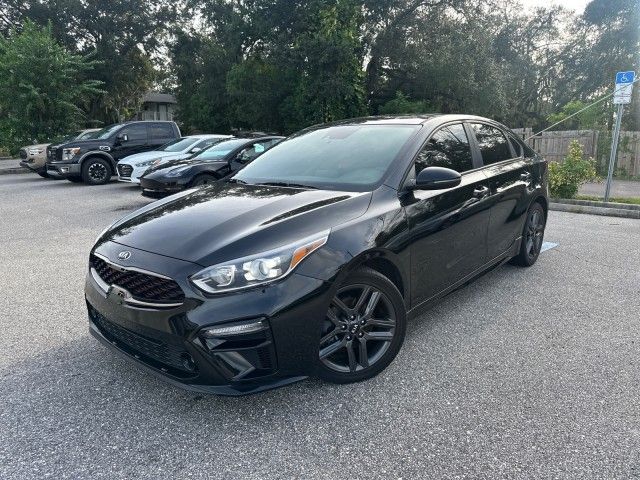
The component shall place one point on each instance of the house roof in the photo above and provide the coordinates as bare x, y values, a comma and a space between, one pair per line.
157, 97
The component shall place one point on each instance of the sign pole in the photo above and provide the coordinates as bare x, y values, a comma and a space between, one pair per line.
614, 151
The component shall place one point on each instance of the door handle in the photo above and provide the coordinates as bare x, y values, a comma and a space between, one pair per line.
481, 192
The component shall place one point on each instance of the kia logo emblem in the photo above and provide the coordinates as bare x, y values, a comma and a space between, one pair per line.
124, 255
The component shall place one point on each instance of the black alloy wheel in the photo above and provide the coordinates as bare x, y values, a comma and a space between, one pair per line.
363, 330
532, 236
96, 171
204, 180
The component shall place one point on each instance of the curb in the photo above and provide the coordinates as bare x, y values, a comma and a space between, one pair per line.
12, 170
608, 209
592, 203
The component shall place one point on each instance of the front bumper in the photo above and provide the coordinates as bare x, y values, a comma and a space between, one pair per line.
169, 342
64, 170
156, 187
129, 173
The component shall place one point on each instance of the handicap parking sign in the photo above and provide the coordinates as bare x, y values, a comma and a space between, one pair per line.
624, 87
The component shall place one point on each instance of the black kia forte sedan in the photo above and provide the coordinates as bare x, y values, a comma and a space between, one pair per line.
205, 167
311, 259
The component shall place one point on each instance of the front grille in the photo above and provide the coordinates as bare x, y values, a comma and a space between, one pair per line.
141, 285
125, 171
168, 355
23, 153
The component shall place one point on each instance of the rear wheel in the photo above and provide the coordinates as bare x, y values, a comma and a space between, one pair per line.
204, 179
96, 171
532, 236
363, 330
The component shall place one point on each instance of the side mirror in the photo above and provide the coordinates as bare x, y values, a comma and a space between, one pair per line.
123, 137
437, 178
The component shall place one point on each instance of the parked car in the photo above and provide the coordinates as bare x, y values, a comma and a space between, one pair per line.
34, 157
208, 166
94, 161
132, 167
310, 260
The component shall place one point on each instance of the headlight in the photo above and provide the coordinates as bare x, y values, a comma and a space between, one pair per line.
145, 164
69, 153
257, 269
34, 151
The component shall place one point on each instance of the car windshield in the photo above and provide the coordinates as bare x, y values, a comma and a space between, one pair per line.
219, 150
107, 131
178, 145
344, 157
86, 135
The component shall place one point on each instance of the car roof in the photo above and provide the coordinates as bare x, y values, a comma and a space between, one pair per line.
413, 119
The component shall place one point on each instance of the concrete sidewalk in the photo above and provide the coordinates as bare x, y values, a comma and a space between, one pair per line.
619, 188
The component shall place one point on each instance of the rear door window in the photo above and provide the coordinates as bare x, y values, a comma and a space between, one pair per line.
449, 148
160, 130
494, 146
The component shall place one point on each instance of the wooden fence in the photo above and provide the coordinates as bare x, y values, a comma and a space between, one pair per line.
555, 145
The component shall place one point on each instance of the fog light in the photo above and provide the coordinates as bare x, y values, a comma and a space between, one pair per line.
64, 169
235, 329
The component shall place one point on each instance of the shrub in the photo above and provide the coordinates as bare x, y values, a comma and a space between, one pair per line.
565, 178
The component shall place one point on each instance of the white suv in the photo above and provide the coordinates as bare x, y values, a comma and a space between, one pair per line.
131, 168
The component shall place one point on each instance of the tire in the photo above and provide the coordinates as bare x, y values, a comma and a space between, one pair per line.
96, 171
44, 174
75, 179
350, 323
203, 179
532, 236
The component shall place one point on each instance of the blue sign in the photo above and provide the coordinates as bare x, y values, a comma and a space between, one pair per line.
625, 77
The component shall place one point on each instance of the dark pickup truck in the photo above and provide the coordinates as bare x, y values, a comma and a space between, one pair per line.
94, 161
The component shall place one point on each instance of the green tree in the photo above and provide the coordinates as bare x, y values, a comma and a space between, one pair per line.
122, 35
402, 104
42, 87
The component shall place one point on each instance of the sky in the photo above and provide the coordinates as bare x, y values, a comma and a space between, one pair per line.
576, 5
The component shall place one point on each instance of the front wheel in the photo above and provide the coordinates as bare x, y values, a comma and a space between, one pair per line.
204, 179
43, 174
532, 237
363, 330
96, 171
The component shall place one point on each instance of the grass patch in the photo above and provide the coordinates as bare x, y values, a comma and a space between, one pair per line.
593, 198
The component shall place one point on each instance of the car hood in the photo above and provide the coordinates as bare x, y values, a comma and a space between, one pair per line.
224, 221
152, 155
38, 145
168, 164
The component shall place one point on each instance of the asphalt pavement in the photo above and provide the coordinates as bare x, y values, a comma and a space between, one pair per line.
525, 373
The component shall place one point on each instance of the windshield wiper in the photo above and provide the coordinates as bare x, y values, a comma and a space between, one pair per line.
287, 184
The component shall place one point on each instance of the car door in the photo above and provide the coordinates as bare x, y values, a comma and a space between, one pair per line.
510, 179
131, 139
448, 228
247, 154
159, 134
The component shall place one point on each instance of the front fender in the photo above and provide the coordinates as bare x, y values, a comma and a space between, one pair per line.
98, 153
